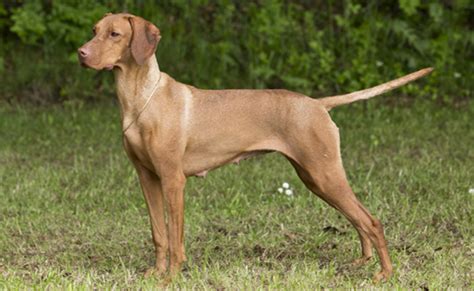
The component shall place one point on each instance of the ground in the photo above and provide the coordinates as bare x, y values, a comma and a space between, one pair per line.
72, 214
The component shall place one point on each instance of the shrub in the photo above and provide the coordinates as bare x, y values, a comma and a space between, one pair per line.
315, 47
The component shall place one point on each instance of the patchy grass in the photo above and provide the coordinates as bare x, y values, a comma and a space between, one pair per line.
72, 214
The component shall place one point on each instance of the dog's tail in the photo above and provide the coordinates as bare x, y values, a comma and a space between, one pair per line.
334, 101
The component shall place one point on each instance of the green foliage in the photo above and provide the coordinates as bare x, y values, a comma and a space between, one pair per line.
72, 25
68, 22
29, 23
318, 48
409, 6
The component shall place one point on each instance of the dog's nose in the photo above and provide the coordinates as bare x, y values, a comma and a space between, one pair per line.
83, 52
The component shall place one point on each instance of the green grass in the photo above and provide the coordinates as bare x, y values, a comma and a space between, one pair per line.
72, 214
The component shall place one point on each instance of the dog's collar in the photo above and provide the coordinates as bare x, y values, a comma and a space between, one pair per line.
144, 106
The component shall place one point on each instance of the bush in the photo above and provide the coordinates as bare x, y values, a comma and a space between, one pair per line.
315, 47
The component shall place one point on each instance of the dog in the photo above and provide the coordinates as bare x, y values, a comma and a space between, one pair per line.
172, 131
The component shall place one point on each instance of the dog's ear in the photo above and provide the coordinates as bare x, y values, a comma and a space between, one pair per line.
145, 38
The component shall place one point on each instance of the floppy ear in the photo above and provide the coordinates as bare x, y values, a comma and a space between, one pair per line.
145, 38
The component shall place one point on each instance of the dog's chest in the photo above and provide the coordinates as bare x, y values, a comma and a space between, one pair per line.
136, 147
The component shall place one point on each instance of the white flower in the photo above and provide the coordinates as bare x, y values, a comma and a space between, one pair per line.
379, 63
289, 192
286, 185
280, 190
471, 191
457, 75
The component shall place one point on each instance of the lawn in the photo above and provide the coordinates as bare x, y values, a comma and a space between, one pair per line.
72, 214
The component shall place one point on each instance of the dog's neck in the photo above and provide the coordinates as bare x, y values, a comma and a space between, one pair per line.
134, 85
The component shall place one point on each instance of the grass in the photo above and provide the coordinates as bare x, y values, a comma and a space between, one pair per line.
72, 214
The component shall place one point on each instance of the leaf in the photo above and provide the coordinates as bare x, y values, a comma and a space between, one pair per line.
436, 12
29, 22
409, 6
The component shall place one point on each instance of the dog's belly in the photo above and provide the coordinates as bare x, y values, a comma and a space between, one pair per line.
199, 161
199, 166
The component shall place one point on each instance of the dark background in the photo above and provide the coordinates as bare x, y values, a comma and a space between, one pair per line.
315, 47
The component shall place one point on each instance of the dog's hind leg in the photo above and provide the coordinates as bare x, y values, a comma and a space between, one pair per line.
318, 163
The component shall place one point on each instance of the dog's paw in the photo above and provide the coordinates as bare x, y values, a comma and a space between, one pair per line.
382, 276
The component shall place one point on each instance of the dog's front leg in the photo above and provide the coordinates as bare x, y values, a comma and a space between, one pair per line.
173, 183
151, 187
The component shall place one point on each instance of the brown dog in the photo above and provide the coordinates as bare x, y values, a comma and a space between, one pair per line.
172, 131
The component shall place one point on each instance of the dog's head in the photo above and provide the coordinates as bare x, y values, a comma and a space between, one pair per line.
119, 39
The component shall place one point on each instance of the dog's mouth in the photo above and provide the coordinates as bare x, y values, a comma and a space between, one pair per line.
85, 64
109, 67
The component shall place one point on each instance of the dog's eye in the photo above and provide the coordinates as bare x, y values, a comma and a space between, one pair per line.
114, 34
93, 31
